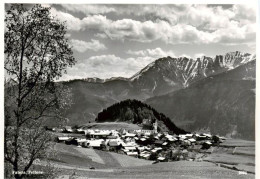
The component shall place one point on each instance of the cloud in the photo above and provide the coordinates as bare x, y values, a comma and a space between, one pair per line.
185, 55
107, 66
89, 8
82, 46
73, 23
155, 53
172, 24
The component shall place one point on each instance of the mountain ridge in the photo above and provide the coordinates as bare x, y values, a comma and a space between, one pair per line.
91, 96
223, 103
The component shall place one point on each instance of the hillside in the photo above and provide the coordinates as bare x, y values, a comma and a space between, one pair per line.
136, 112
223, 103
163, 76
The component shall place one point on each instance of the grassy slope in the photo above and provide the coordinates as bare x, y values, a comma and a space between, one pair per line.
114, 165
176, 170
111, 126
236, 153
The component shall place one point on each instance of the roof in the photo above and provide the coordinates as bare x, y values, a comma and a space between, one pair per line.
113, 143
95, 143
140, 148
145, 155
172, 139
161, 158
131, 153
192, 140
64, 138
189, 135
129, 144
130, 148
81, 140
112, 137
130, 135
207, 135
154, 150
209, 143
100, 133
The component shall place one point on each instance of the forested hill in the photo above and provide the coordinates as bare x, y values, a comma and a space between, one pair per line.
136, 112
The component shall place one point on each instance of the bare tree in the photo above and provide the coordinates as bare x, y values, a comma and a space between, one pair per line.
36, 54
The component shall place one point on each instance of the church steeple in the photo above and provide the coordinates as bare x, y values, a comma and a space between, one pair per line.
155, 125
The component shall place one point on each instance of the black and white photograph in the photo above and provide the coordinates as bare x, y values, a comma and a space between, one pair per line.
129, 90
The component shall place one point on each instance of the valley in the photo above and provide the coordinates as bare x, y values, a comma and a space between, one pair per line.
194, 94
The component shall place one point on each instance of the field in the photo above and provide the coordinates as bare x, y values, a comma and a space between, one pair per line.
176, 170
238, 143
111, 126
235, 154
70, 155
224, 162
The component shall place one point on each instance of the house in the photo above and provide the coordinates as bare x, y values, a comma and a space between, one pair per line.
165, 144
56, 129
185, 143
68, 129
95, 144
97, 134
132, 153
129, 135
63, 139
206, 145
192, 140
201, 137
145, 155
140, 149
161, 159
71, 141
188, 136
158, 142
80, 131
144, 132
208, 136
129, 149
81, 140
156, 149
113, 146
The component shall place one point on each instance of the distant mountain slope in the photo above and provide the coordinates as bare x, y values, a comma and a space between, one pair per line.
170, 74
136, 112
164, 75
223, 103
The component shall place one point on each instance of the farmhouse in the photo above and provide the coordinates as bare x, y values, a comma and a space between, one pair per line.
63, 138
97, 134
96, 144
68, 129
113, 146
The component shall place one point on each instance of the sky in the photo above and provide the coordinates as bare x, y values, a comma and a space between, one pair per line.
119, 40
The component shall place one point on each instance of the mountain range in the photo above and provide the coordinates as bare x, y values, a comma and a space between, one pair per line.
172, 78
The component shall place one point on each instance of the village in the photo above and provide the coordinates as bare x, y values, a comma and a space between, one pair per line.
145, 144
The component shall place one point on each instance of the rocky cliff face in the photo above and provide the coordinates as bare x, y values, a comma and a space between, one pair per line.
170, 74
